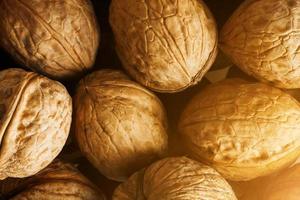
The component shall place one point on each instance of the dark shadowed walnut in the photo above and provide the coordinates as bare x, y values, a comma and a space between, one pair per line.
165, 45
175, 178
57, 38
34, 124
120, 126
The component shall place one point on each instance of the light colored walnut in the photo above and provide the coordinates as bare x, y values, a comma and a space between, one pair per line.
262, 38
165, 45
57, 38
120, 126
175, 178
244, 130
34, 122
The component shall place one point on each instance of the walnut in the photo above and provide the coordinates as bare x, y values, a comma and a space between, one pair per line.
34, 122
56, 38
262, 38
175, 178
165, 45
119, 125
244, 130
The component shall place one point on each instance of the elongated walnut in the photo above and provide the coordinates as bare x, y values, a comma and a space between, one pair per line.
35, 118
56, 38
165, 45
175, 179
244, 130
120, 126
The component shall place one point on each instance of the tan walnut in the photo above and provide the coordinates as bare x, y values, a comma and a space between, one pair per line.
59, 181
35, 118
262, 38
120, 126
56, 38
165, 45
244, 130
175, 178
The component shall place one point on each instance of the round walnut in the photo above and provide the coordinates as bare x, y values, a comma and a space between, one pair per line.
165, 45
120, 126
262, 38
175, 179
56, 38
35, 118
244, 130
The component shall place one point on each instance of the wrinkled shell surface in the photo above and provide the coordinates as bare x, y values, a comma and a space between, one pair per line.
262, 38
56, 38
176, 178
244, 130
35, 118
165, 45
120, 126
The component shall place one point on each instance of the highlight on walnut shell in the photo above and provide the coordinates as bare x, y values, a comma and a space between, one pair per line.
120, 126
35, 118
261, 38
175, 178
166, 46
58, 181
56, 38
244, 130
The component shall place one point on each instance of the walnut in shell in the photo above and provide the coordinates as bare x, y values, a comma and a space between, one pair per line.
56, 38
165, 45
262, 38
120, 126
244, 130
175, 179
35, 118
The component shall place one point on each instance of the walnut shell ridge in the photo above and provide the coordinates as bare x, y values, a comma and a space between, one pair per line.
56, 38
35, 119
120, 126
262, 38
165, 45
244, 130
175, 178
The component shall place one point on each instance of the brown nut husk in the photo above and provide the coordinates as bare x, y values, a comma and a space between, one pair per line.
120, 126
59, 181
244, 130
175, 178
165, 45
262, 38
56, 38
35, 118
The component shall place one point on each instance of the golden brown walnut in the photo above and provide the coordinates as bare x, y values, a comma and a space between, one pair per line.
56, 38
35, 118
120, 126
175, 178
59, 181
244, 130
165, 45
261, 37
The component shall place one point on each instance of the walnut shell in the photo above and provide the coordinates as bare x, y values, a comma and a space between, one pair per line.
165, 45
119, 125
244, 130
56, 38
261, 37
175, 179
35, 118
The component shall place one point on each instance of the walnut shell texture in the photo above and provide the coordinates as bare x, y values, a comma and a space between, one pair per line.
120, 126
244, 130
57, 38
165, 45
175, 178
35, 118
262, 38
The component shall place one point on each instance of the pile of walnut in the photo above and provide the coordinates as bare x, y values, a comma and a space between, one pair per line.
234, 139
